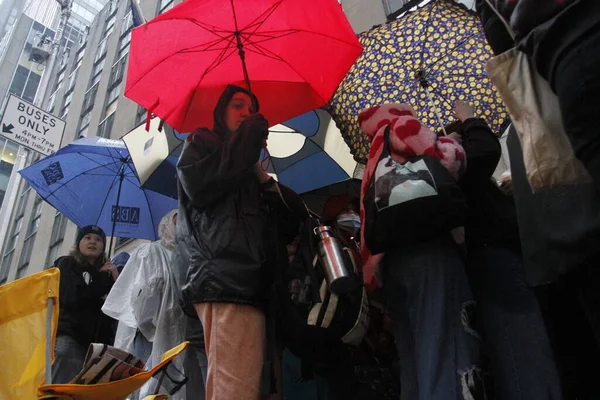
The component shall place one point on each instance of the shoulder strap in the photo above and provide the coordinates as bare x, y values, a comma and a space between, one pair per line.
502, 19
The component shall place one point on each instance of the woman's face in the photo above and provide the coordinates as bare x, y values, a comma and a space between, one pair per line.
91, 246
239, 108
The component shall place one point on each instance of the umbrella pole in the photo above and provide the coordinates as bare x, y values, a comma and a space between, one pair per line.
112, 233
435, 110
240, 46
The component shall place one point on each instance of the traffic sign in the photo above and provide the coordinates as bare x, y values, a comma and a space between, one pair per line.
30, 126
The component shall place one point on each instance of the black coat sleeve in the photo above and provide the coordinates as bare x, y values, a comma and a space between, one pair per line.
73, 294
495, 31
482, 148
207, 170
68, 290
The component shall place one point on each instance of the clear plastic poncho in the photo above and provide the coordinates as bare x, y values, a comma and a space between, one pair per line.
146, 297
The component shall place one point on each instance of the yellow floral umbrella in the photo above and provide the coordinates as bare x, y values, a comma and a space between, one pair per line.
429, 58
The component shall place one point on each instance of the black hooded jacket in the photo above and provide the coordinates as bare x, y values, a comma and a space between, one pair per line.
83, 289
492, 216
223, 221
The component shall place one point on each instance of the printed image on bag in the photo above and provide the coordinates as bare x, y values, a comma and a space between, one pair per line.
397, 183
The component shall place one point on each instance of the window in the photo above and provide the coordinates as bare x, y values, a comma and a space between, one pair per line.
124, 45
80, 54
68, 99
56, 238
111, 108
114, 93
89, 98
77, 65
36, 214
64, 59
165, 5
83, 132
125, 40
5, 269
72, 81
110, 23
65, 112
85, 120
51, 102
23, 201
127, 23
98, 69
31, 87
101, 52
123, 52
25, 256
117, 71
140, 115
59, 80
105, 126
14, 237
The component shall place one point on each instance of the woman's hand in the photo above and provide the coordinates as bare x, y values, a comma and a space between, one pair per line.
464, 110
456, 137
110, 268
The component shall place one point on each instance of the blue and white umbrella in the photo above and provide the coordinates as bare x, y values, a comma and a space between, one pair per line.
93, 182
304, 153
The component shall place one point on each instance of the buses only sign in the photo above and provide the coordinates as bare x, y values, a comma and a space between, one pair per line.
30, 126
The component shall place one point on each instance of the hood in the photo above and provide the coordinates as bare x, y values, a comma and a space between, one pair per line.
219, 112
166, 231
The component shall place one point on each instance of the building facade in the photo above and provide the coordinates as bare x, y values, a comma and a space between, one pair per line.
86, 90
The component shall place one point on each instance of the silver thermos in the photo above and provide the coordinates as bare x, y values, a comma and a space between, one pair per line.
332, 258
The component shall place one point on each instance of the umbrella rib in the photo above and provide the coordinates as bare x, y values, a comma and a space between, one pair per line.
257, 49
268, 36
218, 60
426, 34
211, 28
168, 56
262, 18
480, 76
78, 175
449, 52
441, 96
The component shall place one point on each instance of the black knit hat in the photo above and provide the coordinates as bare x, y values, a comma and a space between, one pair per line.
90, 229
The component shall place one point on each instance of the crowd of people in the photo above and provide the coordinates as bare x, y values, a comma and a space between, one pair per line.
501, 301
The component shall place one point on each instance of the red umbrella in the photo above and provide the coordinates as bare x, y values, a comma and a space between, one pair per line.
291, 53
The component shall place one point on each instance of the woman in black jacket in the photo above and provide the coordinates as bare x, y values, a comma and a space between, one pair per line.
227, 243
86, 277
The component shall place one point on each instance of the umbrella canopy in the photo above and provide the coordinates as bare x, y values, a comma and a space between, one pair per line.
304, 153
292, 55
308, 153
92, 182
430, 57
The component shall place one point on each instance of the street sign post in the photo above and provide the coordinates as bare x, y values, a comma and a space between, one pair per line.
32, 127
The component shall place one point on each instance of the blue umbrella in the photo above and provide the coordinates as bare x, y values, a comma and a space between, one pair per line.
304, 153
92, 182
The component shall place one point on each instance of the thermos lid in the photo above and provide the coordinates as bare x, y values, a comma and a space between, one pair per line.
322, 229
